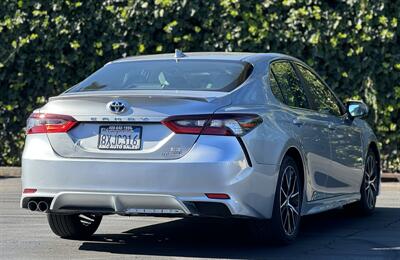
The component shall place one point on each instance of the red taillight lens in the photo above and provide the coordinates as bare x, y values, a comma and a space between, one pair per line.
29, 190
49, 123
186, 124
219, 196
217, 124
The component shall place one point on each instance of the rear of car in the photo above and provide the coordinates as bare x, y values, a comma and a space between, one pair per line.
144, 138
215, 135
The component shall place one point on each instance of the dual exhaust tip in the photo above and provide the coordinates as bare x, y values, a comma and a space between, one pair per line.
41, 206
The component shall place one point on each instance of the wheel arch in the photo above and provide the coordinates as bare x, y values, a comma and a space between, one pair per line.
374, 147
296, 154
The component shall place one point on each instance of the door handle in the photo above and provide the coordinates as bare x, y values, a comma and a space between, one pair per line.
298, 122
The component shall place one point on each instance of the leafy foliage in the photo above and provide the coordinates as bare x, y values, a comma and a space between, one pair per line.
48, 46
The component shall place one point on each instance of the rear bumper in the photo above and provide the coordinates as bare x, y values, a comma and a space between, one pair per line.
157, 187
120, 203
129, 204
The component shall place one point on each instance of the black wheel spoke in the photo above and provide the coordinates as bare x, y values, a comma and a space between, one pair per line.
289, 222
284, 193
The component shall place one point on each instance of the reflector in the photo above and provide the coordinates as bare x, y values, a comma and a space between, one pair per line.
29, 190
220, 196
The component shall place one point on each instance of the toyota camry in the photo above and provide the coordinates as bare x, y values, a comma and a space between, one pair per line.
231, 135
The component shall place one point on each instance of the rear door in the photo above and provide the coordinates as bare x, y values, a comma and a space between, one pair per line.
309, 127
344, 135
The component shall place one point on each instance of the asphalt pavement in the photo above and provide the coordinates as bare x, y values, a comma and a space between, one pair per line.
332, 235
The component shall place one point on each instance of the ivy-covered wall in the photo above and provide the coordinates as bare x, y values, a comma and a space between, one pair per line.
48, 46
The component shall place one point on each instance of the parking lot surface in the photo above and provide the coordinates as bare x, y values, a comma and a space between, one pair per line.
333, 235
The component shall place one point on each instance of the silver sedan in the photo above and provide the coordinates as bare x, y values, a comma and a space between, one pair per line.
231, 135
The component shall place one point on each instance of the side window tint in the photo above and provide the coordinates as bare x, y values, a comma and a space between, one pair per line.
323, 98
290, 85
275, 88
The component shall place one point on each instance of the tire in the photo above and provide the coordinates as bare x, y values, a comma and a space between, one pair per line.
369, 187
283, 227
75, 226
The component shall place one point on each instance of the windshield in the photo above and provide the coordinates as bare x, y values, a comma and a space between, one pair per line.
167, 75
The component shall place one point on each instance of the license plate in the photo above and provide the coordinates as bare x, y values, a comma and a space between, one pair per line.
120, 137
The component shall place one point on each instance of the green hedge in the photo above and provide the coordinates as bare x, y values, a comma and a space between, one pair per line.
48, 46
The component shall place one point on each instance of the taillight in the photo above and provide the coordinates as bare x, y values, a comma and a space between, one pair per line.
49, 123
217, 124
29, 191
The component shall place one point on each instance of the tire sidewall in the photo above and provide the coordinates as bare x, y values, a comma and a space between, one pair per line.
69, 226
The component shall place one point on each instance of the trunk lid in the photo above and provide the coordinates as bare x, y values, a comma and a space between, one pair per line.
144, 110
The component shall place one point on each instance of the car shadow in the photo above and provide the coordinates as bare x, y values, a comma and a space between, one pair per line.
218, 238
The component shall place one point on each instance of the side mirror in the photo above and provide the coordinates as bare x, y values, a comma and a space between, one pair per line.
356, 109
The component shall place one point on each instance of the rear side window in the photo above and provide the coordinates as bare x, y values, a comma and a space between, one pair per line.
207, 75
289, 84
323, 98
275, 88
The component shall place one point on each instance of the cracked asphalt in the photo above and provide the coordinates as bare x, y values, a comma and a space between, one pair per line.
332, 235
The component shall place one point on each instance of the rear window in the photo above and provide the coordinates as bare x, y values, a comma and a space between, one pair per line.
167, 75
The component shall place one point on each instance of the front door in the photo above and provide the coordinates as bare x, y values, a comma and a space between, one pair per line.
347, 158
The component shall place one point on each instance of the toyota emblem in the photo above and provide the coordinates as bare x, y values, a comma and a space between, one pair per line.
116, 106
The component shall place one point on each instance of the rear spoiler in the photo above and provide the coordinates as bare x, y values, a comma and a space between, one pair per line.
203, 96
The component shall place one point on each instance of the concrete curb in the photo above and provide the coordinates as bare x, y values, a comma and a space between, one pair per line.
7, 172
390, 177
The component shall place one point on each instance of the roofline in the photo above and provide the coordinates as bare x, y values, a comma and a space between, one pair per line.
239, 56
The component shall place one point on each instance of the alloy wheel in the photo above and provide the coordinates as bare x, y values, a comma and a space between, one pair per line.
290, 200
370, 180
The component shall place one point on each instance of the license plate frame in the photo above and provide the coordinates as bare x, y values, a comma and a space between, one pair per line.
133, 131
